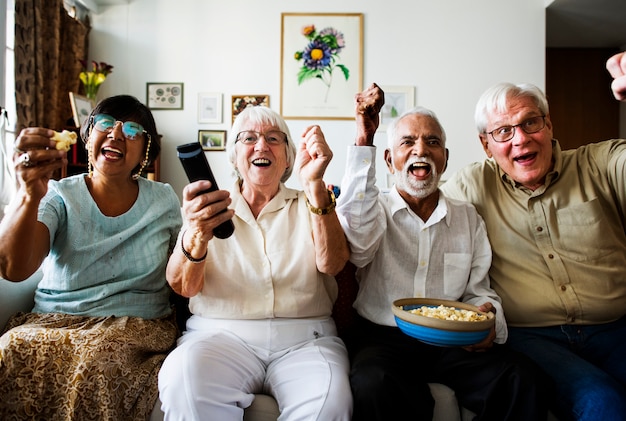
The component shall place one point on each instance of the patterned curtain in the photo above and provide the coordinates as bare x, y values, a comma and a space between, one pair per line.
48, 46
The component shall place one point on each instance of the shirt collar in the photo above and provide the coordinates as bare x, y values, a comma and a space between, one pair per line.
397, 203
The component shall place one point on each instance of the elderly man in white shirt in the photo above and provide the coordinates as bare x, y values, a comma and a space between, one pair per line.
414, 242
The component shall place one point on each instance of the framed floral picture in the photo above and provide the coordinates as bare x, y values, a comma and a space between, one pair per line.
321, 65
164, 96
398, 99
240, 102
212, 140
209, 107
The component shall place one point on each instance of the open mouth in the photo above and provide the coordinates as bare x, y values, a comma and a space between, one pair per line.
420, 169
261, 162
112, 153
526, 158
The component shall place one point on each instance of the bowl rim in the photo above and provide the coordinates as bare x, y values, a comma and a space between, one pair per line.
451, 325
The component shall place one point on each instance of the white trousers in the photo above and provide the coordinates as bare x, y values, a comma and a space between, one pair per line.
219, 365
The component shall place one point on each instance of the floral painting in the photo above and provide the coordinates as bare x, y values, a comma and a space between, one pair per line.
321, 67
320, 57
240, 102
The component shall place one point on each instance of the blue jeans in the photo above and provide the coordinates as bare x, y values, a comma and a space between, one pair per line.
587, 363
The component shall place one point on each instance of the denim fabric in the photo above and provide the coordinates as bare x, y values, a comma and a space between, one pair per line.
588, 364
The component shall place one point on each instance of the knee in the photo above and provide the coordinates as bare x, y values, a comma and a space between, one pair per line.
367, 381
600, 401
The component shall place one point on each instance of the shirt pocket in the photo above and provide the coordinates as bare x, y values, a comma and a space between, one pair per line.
584, 231
456, 272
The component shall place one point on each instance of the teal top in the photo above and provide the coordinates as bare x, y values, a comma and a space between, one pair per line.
107, 266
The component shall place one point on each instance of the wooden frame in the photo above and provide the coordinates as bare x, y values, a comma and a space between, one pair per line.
81, 108
240, 102
321, 88
165, 96
398, 99
212, 140
209, 107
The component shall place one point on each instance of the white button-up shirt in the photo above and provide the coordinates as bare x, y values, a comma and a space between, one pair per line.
399, 255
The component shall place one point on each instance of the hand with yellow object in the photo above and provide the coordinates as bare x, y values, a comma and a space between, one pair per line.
64, 140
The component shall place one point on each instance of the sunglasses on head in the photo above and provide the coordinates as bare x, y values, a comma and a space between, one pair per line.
105, 123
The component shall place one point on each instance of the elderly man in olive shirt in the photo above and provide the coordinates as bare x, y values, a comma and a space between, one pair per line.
557, 226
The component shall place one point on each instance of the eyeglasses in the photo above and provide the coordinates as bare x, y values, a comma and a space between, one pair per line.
105, 123
529, 126
250, 137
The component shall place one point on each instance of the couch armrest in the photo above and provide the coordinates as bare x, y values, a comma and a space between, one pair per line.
17, 296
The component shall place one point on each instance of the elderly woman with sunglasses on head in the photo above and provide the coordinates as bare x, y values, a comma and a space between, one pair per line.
102, 324
261, 300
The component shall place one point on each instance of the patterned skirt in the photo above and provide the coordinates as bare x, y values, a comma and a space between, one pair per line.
63, 367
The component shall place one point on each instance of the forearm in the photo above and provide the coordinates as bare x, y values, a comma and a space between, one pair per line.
331, 247
24, 242
185, 273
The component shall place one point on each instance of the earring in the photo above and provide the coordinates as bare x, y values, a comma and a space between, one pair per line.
89, 150
145, 159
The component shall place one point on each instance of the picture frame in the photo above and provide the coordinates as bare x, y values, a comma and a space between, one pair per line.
240, 102
212, 140
209, 107
165, 95
398, 99
308, 89
81, 108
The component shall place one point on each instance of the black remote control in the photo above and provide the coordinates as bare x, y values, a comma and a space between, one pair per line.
197, 168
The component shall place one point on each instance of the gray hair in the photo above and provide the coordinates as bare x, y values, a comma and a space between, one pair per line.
393, 126
496, 98
265, 116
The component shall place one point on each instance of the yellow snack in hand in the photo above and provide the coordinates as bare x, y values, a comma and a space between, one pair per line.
64, 139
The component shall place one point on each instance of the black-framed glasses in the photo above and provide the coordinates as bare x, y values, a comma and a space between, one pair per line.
529, 126
105, 123
251, 137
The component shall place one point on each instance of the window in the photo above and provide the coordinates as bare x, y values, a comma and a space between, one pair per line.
8, 113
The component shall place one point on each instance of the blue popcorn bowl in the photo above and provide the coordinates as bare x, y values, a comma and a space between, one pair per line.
440, 332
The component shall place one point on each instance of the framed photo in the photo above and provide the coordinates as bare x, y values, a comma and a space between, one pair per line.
81, 108
164, 96
209, 107
212, 140
240, 102
398, 99
321, 65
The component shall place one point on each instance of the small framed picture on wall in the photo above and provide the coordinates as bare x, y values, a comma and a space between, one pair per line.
212, 140
209, 107
240, 102
164, 96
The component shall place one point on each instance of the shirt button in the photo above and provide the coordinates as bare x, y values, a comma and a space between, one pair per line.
551, 256
360, 196
563, 287
539, 229
366, 161
422, 263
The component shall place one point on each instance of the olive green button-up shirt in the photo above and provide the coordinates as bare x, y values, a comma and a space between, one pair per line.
559, 252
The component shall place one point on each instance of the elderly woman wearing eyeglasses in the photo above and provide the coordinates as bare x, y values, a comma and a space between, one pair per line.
101, 326
261, 300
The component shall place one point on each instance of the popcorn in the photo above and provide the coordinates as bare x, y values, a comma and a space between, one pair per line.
64, 139
449, 313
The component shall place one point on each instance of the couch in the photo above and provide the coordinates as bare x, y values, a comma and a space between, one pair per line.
19, 297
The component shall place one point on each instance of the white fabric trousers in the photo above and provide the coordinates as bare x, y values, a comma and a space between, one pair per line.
220, 364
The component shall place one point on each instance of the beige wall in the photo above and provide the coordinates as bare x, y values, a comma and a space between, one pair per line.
449, 50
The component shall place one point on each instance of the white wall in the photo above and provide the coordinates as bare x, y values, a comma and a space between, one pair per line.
450, 50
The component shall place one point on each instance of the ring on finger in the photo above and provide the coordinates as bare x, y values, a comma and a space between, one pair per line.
18, 150
24, 159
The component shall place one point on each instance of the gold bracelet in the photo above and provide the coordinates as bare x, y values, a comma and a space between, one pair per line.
187, 254
323, 211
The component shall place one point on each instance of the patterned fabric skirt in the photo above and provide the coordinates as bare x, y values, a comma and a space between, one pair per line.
62, 367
